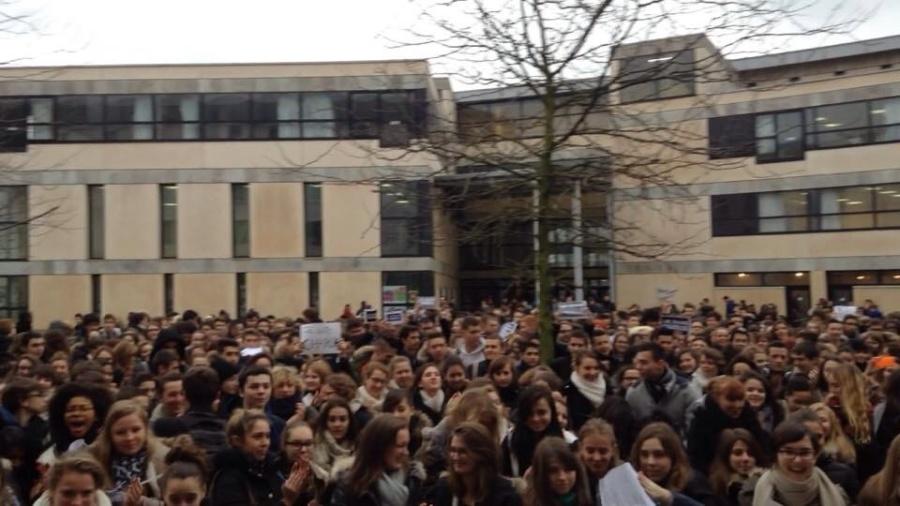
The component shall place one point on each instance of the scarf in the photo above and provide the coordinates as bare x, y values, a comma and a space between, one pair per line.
124, 468
797, 493
364, 398
658, 389
327, 451
435, 403
595, 391
392, 489
567, 499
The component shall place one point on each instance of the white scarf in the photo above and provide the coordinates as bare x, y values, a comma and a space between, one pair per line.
794, 492
392, 489
436, 403
364, 398
595, 391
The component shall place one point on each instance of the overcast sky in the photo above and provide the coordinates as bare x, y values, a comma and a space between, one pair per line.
93, 32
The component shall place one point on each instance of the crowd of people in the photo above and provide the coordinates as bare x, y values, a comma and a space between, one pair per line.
452, 408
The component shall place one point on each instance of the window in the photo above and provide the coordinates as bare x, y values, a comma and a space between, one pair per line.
314, 289
96, 294
651, 77
853, 278
324, 115
178, 117
364, 115
738, 279
129, 117
405, 219
13, 223
96, 221
80, 118
226, 116
13, 296
168, 197
240, 220
276, 116
846, 208
241, 294
779, 137
732, 136
421, 282
40, 119
13, 125
854, 123
169, 293
312, 215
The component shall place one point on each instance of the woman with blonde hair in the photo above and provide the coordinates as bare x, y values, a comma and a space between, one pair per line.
835, 443
76, 476
598, 450
883, 489
130, 455
848, 397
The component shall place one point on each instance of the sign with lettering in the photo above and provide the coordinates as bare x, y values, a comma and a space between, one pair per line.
570, 310
394, 294
508, 329
426, 302
394, 314
676, 322
320, 338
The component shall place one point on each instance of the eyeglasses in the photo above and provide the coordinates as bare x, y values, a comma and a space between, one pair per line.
804, 453
299, 442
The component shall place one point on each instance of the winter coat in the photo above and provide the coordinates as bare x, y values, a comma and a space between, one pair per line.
345, 496
205, 428
580, 408
708, 423
238, 481
678, 395
503, 493
432, 415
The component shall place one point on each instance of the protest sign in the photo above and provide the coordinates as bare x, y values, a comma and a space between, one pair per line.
426, 302
320, 338
395, 294
371, 315
572, 310
841, 312
394, 314
508, 329
676, 322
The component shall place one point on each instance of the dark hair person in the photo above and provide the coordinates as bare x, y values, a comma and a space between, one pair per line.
536, 418
184, 483
794, 480
658, 455
246, 473
557, 477
586, 389
397, 402
335, 439
76, 413
737, 456
381, 474
883, 488
473, 475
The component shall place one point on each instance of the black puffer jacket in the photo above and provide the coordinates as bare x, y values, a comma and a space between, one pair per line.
239, 481
708, 423
502, 494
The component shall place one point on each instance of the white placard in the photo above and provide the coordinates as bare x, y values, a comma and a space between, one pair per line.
676, 322
425, 302
394, 315
574, 310
621, 486
508, 329
666, 293
320, 338
841, 312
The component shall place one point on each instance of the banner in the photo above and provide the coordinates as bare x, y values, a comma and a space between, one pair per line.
395, 294
320, 338
676, 322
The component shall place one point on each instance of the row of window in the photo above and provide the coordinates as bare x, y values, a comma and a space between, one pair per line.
846, 208
834, 278
786, 135
215, 116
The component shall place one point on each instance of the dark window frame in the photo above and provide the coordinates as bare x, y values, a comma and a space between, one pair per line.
162, 223
776, 158
656, 76
13, 311
16, 221
420, 223
763, 278
238, 249
96, 222
313, 238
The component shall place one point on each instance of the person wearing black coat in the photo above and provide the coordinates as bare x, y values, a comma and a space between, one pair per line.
503, 493
725, 407
586, 389
246, 473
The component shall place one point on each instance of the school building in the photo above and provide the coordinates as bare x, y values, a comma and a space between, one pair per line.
280, 186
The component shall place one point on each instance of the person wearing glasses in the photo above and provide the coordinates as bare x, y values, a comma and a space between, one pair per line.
794, 480
296, 453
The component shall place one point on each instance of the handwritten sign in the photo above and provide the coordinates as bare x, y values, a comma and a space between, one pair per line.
841, 312
666, 293
508, 329
394, 315
570, 310
426, 302
320, 338
676, 322
370, 315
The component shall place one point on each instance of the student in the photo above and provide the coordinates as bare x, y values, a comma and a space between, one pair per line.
535, 419
335, 441
285, 392
473, 475
207, 430
296, 453
246, 473
398, 403
132, 458
598, 451
794, 480
586, 389
502, 373
24, 406
314, 374
738, 455
184, 483
882, 488
382, 474
659, 456
371, 393
76, 413
768, 410
453, 375
75, 479
429, 397
836, 443
557, 477
401, 373
660, 389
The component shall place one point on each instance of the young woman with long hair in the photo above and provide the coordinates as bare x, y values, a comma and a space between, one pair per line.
246, 473
130, 455
428, 396
883, 488
848, 397
557, 477
473, 476
382, 474
398, 403
75, 479
296, 454
737, 456
586, 389
335, 441
768, 410
76, 414
598, 451
535, 419
794, 480
184, 483
836, 443
659, 457
502, 373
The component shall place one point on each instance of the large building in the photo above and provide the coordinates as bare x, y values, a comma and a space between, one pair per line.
279, 186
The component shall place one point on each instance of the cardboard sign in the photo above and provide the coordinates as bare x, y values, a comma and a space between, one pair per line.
395, 315
508, 329
320, 338
574, 310
676, 322
426, 302
370, 315
841, 312
666, 293
395, 294
252, 352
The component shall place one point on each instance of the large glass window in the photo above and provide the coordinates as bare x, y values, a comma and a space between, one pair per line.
226, 116
13, 223
241, 282
240, 220
40, 119
885, 118
178, 117
324, 115
168, 197
314, 289
13, 296
13, 125
129, 117
364, 115
80, 117
312, 216
405, 219
651, 77
96, 221
779, 137
276, 116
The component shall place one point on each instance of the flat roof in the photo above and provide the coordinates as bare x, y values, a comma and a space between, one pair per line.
833, 52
